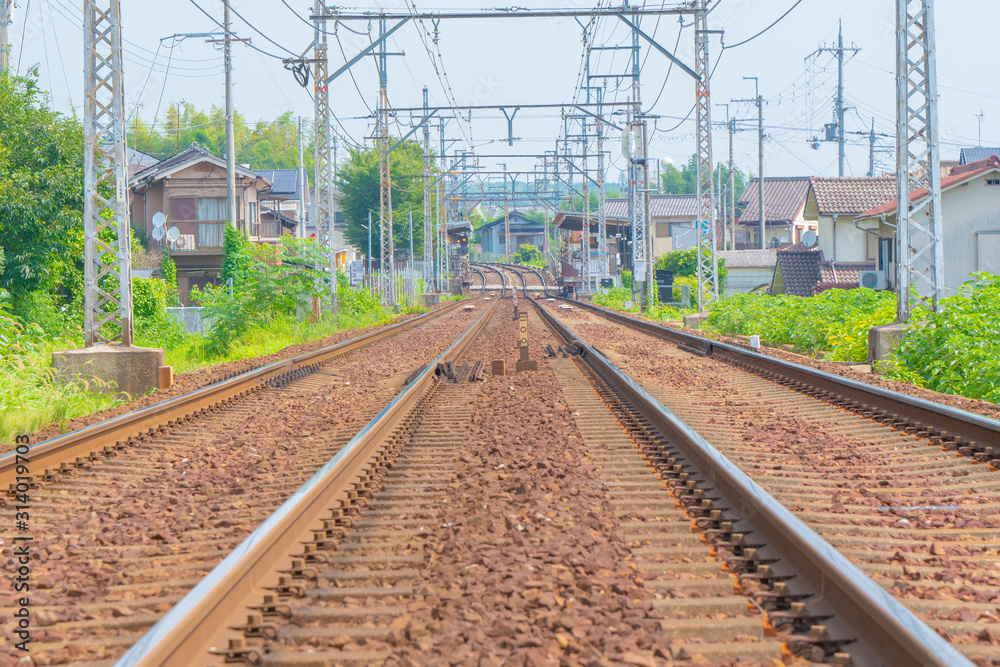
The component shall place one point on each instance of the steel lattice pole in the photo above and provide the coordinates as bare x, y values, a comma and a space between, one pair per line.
323, 200
919, 244
708, 279
602, 220
428, 218
385, 182
585, 227
107, 257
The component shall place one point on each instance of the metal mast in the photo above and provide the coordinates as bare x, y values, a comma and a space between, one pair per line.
919, 247
227, 50
639, 184
323, 200
506, 217
107, 257
385, 178
428, 220
602, 220
708, 279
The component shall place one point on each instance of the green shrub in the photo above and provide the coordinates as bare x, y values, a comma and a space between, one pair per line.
153, 326
957, 349
836, 321
685, 263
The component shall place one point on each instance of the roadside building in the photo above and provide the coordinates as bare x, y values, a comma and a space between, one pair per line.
784, 208
190, 190
801, 271
673, 220
833, 204
748, 270
976, 154
523, 231
970, 209
285, 205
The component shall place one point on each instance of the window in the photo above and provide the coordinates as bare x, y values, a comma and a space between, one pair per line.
190, 209
993, 181
212, 208
254, 220
501, 238
210, 235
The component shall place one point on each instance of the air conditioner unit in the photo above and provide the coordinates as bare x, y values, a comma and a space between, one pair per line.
872, 280
185, 242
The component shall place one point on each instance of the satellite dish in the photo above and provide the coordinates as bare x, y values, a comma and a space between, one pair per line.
173, 234
158, 233
809, 239
159, 220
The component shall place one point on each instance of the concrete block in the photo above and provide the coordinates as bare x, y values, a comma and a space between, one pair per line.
529, 365
431, 299
499, 368
132, 370
695, 321
166, 377
884, 341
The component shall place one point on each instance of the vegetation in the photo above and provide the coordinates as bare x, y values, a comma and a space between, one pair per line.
835, 322
684, 181
359, 182
529, 255
957, 349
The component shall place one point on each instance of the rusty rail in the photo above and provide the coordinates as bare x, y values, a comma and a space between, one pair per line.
892, 632
937, 421
90, 442
199, 621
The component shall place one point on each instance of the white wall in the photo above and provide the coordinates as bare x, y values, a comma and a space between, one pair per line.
968, 209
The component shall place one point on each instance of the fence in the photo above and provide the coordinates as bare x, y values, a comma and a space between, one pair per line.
192, 319
405, 283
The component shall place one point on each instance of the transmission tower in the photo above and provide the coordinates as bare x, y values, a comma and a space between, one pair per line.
708, 278
428, 221
323, 215
585, 227
919, 245
107, 256
385, 178
602, 221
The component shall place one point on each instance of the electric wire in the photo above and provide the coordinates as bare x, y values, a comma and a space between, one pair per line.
248, 44
779, 19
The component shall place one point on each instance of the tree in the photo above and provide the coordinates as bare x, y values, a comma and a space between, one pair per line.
684, 181
529, 255
685, 263
41, 200
359, 183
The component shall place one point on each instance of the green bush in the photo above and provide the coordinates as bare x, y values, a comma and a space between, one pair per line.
615, 298
836, 321
957, 349
529, 255
153, 326
685, 263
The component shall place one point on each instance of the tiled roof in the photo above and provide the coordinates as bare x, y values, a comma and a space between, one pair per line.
978, 154
284, 182
516, 220
660, 206
844, 273
784, 199
749, 259
194, 153
959, 175
799, 270
850, 196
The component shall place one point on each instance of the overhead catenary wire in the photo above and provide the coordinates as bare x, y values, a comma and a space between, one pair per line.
776, 22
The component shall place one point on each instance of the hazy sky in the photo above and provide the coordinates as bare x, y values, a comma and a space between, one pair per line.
523, 61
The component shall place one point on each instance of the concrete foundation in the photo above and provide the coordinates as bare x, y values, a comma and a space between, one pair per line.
129, 370
695, 321
431, 299
884, 341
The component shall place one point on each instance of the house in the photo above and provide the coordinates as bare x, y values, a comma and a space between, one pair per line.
832, 204
673, 219
970, 209
802, 271
522, 231
748, 270
285, 206
619, 242
977, 154
190, 190
784, 205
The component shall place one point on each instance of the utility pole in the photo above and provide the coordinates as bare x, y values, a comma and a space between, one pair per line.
506, 218
385, 175
323, 201
760, 156
440, 229
428, 220
602, 219
5, 20
708, 267
727, 192
230, 116
107, 265
871, 151
919, 229
303, 186
839, 51
585, 227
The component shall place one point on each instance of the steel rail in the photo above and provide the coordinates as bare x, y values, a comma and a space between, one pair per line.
966, 427
90, 442
888, 628
518, 267
503, 279
201, 619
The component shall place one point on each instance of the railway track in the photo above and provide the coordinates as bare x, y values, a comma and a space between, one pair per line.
884, 488
562, 516
119, 537
383, 557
